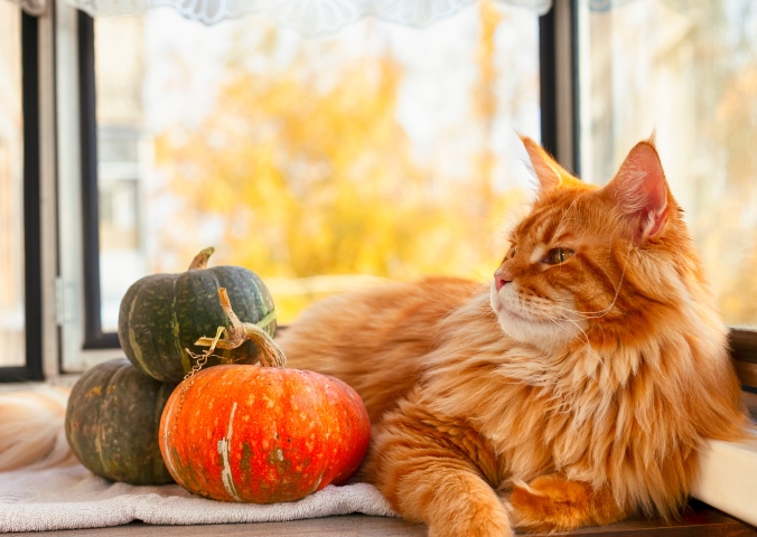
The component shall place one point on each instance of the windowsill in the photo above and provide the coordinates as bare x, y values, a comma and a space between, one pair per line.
698, 520
728, 473
728, 478
67, 380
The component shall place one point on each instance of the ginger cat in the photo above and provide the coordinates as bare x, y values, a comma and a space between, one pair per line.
574, 390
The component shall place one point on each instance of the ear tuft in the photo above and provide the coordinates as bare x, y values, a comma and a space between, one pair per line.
640, 191
547, 170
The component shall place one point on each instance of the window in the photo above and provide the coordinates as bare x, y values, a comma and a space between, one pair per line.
20, 299
690, 75
321, 164
198, 143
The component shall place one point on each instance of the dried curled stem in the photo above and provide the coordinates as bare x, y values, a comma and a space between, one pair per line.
200, 261
271, 354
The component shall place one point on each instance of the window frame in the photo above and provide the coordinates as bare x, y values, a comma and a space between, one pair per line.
559, 70
32, 370
94, 336
743, 344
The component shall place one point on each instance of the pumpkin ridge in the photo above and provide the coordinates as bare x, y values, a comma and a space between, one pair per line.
265, 322
186, 363
215, 279
251, 287
136, 350
189, 286
261, 306
99, 437
226, 356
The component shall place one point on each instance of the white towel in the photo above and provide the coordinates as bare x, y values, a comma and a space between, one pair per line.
72, 497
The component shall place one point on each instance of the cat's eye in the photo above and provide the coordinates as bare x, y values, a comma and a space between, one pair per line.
511, 253
557, 255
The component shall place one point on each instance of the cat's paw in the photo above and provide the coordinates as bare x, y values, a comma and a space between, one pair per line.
553, 503
478, 519
482, 527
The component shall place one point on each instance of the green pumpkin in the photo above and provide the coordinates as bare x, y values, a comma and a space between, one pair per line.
112, 423
163, 315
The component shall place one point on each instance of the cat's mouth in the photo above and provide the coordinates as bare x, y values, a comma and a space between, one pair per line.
530, 326
505, 310
509, 316
515, 320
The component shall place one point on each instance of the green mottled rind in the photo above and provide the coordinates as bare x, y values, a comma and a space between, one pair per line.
112, 423
164, 314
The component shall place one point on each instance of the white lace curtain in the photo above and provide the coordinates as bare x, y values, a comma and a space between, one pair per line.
309, 17
32, 7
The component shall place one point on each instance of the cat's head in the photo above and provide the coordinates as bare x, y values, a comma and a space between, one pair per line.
596, 265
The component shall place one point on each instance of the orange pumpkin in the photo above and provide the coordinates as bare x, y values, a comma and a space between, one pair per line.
259, 434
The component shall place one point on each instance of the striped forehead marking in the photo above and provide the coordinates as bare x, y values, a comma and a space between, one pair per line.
539, 225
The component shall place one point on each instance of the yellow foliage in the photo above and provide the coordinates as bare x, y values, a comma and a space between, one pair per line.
315, 177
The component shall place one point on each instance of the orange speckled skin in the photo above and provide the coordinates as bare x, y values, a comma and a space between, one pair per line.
255, 434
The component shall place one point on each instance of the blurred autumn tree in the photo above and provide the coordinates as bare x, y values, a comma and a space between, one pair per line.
737, 133
726, 54
310, 173
687, 69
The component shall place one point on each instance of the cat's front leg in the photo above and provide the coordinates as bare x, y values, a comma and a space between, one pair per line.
554, 503
432, 471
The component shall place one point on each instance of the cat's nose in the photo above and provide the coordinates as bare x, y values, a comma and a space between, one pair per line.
500, 279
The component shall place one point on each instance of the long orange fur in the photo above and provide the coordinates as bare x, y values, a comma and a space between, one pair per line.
32, 435
563, 395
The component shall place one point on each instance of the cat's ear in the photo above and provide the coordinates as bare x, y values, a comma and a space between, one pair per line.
640, 191
549, 173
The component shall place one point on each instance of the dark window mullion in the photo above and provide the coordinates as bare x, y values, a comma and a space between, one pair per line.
548, 81
574, 82
558, 72
32, 220
94, 337
31, 195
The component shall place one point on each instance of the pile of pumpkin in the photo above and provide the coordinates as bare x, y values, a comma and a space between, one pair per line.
198, 410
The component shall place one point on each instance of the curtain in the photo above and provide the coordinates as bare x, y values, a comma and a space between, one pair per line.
309, 17
32, 7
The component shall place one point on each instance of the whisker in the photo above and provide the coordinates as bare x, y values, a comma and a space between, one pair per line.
603, 312
559, 322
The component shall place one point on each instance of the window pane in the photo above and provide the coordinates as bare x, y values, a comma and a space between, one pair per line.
687, 70
380, 152
12, 318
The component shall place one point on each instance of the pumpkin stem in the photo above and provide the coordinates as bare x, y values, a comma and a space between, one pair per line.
201, 260
271, 354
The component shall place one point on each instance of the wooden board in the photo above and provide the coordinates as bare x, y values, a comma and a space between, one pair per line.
699, 520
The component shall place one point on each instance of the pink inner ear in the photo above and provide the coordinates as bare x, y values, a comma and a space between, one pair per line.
640, 189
